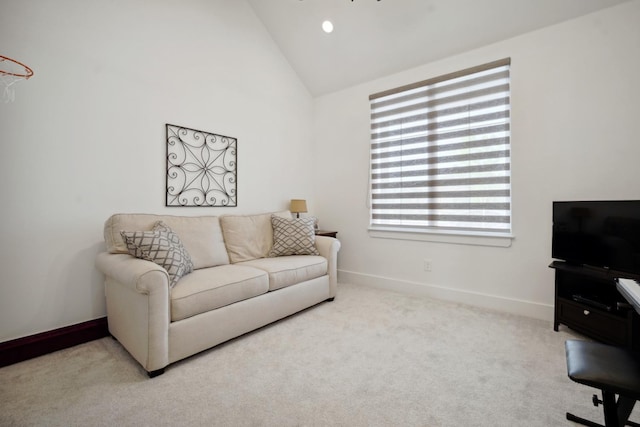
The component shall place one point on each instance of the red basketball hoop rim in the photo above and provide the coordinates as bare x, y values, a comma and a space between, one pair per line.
28, 72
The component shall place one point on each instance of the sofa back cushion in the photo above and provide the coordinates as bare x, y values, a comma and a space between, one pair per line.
200, 235
249, 237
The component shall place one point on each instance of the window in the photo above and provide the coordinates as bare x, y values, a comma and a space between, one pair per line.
440, 154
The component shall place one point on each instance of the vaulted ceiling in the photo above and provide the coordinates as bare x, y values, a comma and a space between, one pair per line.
375, 38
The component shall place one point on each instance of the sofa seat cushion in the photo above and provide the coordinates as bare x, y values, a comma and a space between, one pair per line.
288, 270
210, 288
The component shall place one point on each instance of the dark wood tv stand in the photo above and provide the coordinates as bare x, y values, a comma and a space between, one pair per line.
587, 301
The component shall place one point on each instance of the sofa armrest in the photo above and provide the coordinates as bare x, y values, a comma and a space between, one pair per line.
134, 273
328, 248
138, 313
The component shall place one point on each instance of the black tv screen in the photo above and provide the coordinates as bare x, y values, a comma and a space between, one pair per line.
603, 234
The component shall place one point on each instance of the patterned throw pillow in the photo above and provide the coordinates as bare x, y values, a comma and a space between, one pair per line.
162, 246
295, 236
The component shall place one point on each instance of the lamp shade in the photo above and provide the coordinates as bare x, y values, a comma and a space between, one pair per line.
298, 205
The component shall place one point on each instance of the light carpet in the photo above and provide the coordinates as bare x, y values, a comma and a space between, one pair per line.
370, 358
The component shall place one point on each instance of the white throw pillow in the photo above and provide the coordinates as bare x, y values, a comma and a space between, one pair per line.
162, 246
295, 236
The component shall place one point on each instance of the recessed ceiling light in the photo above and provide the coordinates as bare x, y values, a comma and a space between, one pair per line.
327, 26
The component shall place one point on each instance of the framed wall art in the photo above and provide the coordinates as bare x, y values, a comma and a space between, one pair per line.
201, 168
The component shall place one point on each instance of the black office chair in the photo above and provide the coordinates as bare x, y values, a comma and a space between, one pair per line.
613, 370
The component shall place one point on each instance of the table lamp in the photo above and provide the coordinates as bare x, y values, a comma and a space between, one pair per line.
297, 206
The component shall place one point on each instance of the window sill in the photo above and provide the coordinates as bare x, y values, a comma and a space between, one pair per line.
501, 241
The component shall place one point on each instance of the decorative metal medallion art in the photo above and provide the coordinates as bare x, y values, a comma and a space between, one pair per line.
201, 168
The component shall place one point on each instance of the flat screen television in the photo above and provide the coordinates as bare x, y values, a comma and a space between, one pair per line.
603, 234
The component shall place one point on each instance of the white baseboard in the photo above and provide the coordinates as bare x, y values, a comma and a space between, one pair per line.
492, 302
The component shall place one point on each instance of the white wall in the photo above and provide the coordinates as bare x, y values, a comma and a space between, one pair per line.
85, 137
575, 135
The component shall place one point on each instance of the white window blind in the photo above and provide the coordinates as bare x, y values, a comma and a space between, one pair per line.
440, 154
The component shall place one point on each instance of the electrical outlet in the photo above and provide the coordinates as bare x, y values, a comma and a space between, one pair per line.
427, 264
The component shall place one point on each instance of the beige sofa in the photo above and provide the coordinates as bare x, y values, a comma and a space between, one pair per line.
235, 286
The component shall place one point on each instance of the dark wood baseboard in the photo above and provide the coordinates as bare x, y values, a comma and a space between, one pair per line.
25, 348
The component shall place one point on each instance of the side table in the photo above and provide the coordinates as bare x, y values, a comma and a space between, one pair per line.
326, 233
